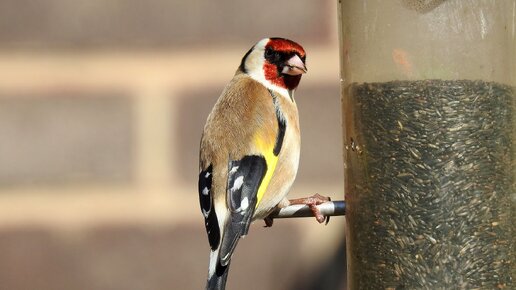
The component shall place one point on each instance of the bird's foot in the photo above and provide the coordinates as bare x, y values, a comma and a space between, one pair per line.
312, 202
268, 222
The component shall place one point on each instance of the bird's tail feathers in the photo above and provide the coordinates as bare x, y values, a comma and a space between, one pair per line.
218, 274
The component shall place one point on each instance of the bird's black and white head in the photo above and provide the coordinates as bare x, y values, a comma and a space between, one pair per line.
277, 63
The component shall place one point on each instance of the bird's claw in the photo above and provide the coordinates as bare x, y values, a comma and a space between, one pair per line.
268, 222
312, 202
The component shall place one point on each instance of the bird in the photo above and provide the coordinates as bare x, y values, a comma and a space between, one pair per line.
250, 150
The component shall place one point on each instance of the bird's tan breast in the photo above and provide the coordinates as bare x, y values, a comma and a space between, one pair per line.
244, 122
287, 164
243, 114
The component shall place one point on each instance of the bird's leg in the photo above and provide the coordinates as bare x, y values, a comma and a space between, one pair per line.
312, 202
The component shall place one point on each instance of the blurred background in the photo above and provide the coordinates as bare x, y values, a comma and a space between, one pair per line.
102, 104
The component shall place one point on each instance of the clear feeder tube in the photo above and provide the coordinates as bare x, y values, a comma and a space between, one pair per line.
428, 99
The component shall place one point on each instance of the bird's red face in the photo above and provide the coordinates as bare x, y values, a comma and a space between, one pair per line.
277, 63
284, 63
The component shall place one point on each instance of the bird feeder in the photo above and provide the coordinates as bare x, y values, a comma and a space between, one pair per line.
428, 98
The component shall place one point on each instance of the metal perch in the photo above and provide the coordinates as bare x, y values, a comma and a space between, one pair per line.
330, 208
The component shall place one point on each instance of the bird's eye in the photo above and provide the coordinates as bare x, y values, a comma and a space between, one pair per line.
269, 53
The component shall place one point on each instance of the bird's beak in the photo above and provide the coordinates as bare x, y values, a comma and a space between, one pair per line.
294, 66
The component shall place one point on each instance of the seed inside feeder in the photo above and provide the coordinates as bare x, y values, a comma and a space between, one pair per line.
429, 197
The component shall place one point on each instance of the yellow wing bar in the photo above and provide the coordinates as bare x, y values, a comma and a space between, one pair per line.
266, 149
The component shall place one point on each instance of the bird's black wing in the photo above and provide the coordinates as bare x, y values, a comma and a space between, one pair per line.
244, 179
206, 201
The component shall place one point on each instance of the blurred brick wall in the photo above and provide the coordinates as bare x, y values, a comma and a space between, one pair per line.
101, 108
97, 23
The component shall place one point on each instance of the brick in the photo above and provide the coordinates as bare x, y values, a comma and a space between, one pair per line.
65, 137
157, 23
132, 257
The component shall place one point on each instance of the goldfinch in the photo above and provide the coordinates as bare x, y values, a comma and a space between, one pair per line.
249, 151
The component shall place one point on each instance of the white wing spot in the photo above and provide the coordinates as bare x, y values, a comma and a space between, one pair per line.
233, 170
244, 204
205, 213
226, 256
207, 175
238, 183
205, 191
